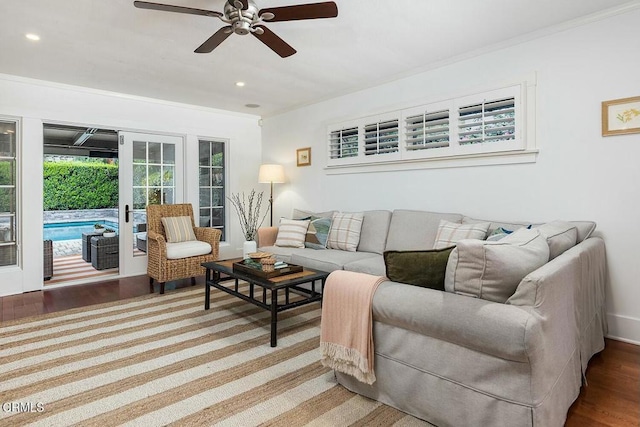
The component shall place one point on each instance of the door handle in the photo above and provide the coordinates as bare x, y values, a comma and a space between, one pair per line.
126, 213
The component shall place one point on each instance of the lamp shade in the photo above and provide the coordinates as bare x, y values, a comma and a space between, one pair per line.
271, 174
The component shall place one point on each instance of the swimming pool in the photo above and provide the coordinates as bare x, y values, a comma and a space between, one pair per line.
73, 230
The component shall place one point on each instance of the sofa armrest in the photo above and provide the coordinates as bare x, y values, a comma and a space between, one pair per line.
267, 236
489, 327
211, 236
156, 245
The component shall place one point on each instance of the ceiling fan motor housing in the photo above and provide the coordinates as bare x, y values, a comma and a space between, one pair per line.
241, 20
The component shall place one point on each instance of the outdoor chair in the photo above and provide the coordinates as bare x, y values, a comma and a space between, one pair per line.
176, 248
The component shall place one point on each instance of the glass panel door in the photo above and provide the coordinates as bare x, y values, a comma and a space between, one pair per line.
151, 171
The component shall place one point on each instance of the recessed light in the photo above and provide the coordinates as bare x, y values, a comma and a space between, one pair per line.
252, 105
240, 84
32, 36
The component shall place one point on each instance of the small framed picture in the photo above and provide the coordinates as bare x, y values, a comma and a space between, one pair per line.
304, 156
621, 116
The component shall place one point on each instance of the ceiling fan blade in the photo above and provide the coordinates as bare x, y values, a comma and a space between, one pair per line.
274, 42
302, 11
213, 41
178, 9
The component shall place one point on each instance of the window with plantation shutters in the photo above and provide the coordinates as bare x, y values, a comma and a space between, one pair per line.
426, 130
343, 143
488, 121
381, 137
481, 128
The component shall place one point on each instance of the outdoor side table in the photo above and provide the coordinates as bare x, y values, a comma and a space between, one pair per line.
86, 245
104, 252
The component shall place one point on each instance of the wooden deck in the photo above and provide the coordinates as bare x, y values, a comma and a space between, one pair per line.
73, 267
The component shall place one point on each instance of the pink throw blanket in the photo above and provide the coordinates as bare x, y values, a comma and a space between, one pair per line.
346, 337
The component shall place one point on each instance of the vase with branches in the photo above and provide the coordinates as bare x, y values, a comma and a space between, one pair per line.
248, 209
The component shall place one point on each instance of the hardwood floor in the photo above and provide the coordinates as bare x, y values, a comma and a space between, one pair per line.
612, 397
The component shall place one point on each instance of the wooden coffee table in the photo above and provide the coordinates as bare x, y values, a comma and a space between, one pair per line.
273, 286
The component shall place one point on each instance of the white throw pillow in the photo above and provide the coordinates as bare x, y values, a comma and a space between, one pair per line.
449, 233
291, 233
493, 270
178, 229
345, 231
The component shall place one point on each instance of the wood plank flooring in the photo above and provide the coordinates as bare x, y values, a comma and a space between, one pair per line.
612, 397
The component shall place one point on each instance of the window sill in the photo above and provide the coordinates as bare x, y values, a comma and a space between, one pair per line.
482, 159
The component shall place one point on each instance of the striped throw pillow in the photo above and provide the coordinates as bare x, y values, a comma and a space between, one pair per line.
449, 233
291, 233
178, 229
345, 231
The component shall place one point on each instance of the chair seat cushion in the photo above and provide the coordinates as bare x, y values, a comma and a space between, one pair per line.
187, 249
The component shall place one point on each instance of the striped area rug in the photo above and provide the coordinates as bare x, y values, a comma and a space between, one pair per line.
163, 360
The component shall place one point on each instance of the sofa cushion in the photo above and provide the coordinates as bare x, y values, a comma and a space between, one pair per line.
419, 268
328, 260
317, 233
450, 232
283, 253
584, 229
292, 233
375, 227
415, 230
493, 270
178, 229
373, 265
560, 235
345, 231
187, 249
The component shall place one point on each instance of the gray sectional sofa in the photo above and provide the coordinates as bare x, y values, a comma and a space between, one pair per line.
455, 360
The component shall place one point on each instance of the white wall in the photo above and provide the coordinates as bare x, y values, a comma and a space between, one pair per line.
579, 175
35, 102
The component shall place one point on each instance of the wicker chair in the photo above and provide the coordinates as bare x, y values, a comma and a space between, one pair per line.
162, 269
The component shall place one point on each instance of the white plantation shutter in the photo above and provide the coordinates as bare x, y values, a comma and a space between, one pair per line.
343, 143
381, 137
426, 130
488, 121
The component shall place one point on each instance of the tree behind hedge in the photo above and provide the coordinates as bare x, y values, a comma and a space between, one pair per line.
79, 185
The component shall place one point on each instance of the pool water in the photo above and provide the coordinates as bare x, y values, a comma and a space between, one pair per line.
73, 230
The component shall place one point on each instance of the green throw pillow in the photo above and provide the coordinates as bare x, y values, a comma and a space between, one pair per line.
420, 268
317, 233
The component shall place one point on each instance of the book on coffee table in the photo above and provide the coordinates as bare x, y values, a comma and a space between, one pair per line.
255, 268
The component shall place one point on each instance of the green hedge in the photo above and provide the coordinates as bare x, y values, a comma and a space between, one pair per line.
79, 185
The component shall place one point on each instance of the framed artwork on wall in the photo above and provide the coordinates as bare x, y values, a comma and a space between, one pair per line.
621, 116
303, 156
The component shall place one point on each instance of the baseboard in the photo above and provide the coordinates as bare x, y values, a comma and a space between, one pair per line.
624, 328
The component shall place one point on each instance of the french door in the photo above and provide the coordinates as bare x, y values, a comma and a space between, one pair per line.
151, 172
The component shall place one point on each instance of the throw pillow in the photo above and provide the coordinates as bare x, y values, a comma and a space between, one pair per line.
291, 233
317, 233
345, 231
419, 268
493, 270
178, 229
560, 235
500, 233
449, 233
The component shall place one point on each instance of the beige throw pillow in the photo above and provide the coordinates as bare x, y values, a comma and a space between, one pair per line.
178, 229
291, 233
449, 233
345, 231
493, 270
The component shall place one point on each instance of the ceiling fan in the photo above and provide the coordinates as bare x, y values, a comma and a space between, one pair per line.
244, 17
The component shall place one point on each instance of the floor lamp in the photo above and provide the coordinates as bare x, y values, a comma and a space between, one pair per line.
271, 174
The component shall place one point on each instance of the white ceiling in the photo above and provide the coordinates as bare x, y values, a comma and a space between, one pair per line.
111, 45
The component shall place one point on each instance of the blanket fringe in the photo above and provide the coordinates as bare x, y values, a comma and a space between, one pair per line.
346, 360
